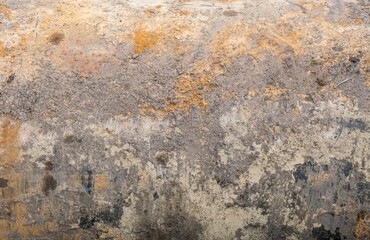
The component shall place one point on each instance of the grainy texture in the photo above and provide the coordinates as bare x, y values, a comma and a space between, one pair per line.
184, 119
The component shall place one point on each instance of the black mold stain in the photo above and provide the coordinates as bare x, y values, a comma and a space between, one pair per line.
87, 183
300, 174
49, 183
113, 215
3, 183
86, 222
155, 196
320, 233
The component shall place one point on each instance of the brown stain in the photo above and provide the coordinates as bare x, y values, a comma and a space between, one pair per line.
3, 182
362, 228
56, 38
49, 184
81, 49
4, 10
230, 13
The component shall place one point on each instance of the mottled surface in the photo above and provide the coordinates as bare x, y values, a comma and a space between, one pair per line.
184, 119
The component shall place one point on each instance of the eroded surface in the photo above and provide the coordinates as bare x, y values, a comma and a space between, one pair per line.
184, 119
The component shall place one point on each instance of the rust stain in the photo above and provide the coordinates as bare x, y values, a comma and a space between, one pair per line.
319, 178
100, 182
275, 92
226, 1
5, 51
9, 139
17, 185
144, 39
5, 11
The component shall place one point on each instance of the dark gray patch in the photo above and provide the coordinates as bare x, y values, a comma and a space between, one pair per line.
351, 125
239, 234
49, 184
363, 192
347, 169
224, 176
155, 196
3, 183
300, 174
48, 166
179, 226
11, 78
320, 233
280, 232
71, 139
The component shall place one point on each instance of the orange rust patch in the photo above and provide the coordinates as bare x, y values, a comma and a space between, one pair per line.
19, 223
5, 11
144, 39
261, 40
321, 177
2, 50
5, 51
362, 229
9, 130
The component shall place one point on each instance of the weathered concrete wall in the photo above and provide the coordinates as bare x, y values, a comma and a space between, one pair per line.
184, 119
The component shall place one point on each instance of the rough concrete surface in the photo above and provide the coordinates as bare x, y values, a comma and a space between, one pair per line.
228, 119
